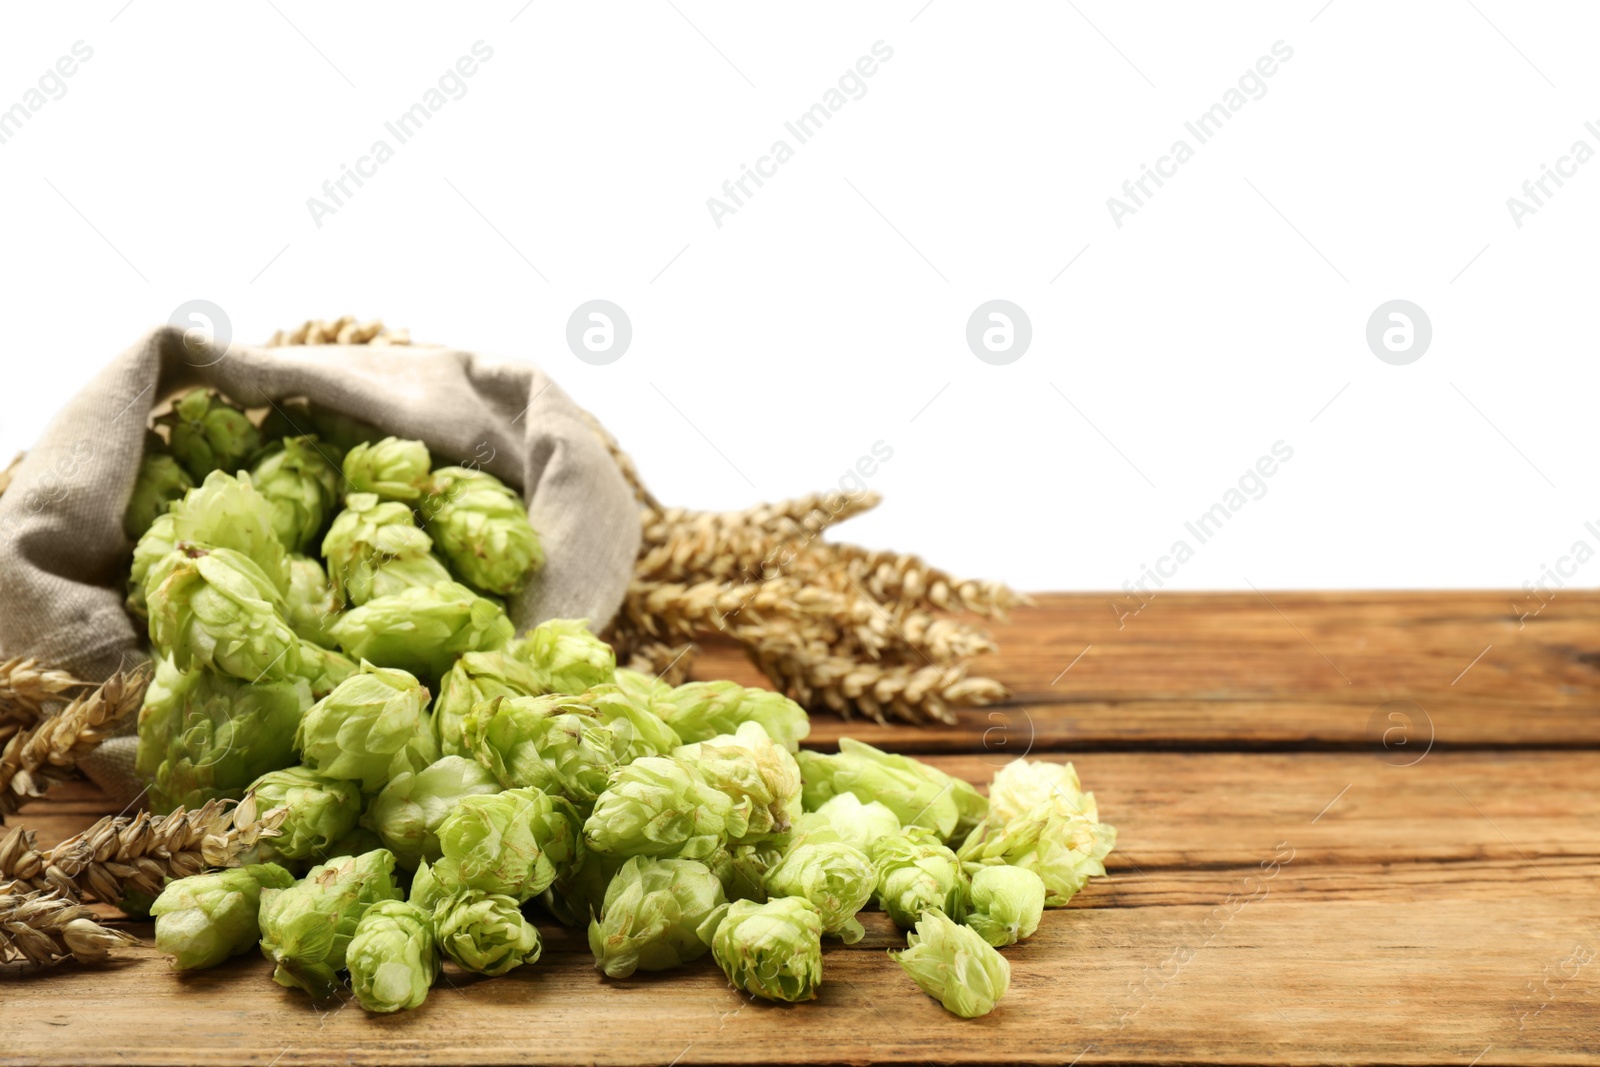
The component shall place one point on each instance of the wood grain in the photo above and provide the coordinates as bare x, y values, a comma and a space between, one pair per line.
1430, 910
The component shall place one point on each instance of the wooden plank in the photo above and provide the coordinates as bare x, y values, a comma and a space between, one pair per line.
1411, 911
1225, 670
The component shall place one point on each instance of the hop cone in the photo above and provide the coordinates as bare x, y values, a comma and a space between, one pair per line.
955, 966
918, 794
310, 606
369, 535
320, 812
393, 468
153, 560
659, 806
409, 811
856, 823
485, 932
700, 711
204, 736
1022, 785
1007, 903
760, 778
302, 485
217, 609
323, 668
771, 950
160, 481
576, 896
476, 677
371, 727
836, 878
393, 957
566, 656
482, 529
205, 919
652, 910
209, 434
549, 743
306, 928
917, 874
515, 843
226, 511
1063, 848
423, 630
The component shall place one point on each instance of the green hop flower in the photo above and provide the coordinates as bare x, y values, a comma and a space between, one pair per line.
955, 966
837, 878
393, 468
918, 794
205, 919
566, 656
393, 957
354, 843
645, 690
771, 950
485, 932
651, 913
153, 559
700, 711
369, 537
296, 418
321, 811
310, 606
857, 824
209, 434
578, 894
323, 668
407, 814
1063, 848
303, 486
1022, 785
306, 928
550, 743
226, 511
204, 736
659, 806
371, 727
916, 874
423, 630
1007, 903
482, 529
476, 677
743, 869
218, 609
761, 778
514, 843
426, 890
160, 481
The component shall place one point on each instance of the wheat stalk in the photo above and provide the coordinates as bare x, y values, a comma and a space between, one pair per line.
122, 854
45, 929
25, 688
50, 750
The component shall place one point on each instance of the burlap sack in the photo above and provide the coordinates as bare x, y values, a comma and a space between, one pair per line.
64, 557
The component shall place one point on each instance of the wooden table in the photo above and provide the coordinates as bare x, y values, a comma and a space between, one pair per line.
1311, 869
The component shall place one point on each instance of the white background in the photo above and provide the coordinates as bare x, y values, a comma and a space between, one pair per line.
829, 312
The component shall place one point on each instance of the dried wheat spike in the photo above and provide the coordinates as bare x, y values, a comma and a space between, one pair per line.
20, 859
341, 331
913, 693
893, 578
45, 929
122, 854
678, 610
50, 750
25, 688
801, 519
712, 551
